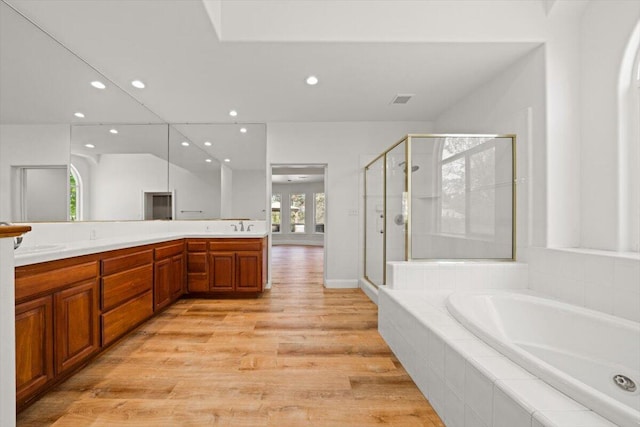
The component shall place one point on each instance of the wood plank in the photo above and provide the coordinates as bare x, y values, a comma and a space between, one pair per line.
299, 355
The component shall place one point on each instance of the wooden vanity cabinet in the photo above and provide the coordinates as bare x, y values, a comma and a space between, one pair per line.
127, 291
197, 266
219, 266
34, 347
238, 265
57, 320
168, 281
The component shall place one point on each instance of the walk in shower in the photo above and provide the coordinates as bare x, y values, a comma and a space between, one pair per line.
440, 197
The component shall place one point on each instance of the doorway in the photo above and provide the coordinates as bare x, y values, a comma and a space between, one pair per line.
158, 205
299, 206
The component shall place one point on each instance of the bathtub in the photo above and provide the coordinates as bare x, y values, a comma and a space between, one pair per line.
576, 350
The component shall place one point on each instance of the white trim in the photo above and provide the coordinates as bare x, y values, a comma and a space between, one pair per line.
301, 242
341, 284
369, 290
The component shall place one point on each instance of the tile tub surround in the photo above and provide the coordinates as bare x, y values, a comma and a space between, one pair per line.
467, 382
454, 275
64, 240
599, 280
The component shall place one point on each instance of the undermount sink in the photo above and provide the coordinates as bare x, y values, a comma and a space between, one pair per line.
28, 250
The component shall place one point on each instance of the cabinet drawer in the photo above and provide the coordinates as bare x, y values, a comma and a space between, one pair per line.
49, 280
120, 287
127, 261
169, 250
197, 246
236, 245
122, 319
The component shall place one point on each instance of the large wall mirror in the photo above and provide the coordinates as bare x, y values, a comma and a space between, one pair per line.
99, 154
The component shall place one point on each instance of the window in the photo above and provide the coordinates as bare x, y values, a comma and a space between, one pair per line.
297, 213
468, 184
319, 212
75, 195
276, 212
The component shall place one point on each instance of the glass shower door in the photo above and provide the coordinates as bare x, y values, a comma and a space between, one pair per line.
396, 204
374, 233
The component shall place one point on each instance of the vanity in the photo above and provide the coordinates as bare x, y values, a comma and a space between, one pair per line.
84, 297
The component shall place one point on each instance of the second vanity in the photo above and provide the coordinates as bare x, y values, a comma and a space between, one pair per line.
74, 301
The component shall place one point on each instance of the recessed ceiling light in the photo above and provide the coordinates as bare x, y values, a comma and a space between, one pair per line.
98, 84
79, 115
227, 160
113, 131
207, 143
138, 84
312, 80
233, 113
243, 130
89, 145
208, 160
184, 143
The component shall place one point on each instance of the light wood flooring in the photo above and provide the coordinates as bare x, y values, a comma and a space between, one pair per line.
301, 355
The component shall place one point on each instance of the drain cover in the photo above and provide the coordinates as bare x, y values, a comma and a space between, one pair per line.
624, 382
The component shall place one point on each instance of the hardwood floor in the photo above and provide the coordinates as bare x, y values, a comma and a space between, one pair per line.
300, 355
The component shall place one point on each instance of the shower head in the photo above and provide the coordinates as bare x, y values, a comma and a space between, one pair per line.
413, 168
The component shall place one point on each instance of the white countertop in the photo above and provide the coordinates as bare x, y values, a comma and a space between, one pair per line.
26, 255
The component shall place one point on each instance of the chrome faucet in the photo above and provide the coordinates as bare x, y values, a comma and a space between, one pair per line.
241, 226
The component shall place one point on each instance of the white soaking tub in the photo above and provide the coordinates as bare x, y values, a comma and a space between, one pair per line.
590, 356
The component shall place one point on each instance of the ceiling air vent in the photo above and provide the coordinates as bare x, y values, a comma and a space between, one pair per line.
401, 98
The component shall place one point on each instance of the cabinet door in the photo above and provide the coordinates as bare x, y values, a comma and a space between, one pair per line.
197, 272
34, 346
249, 271
76, 325
177, 276
223, 268
161, 283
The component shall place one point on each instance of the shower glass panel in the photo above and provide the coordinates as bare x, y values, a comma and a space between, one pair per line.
462, 197
396, 203
374, 211
440, 197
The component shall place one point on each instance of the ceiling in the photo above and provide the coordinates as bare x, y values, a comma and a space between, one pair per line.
191, 76
297, 174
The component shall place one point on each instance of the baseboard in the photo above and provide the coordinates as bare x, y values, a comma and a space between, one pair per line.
297, 242
370, 290
341, 284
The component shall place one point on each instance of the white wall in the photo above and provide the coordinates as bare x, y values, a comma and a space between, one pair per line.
248, 193
7, 335
345, 147
195, 192
226, 192
309, 237
117, 183
29, 145
602, 52
513, 102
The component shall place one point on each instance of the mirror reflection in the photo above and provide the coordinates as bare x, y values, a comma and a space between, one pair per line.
218, 170
55, 140
117, 170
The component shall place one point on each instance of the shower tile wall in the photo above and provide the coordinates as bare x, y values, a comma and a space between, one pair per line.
598, 281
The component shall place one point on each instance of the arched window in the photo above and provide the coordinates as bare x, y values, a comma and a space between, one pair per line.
75, 194
629, 146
